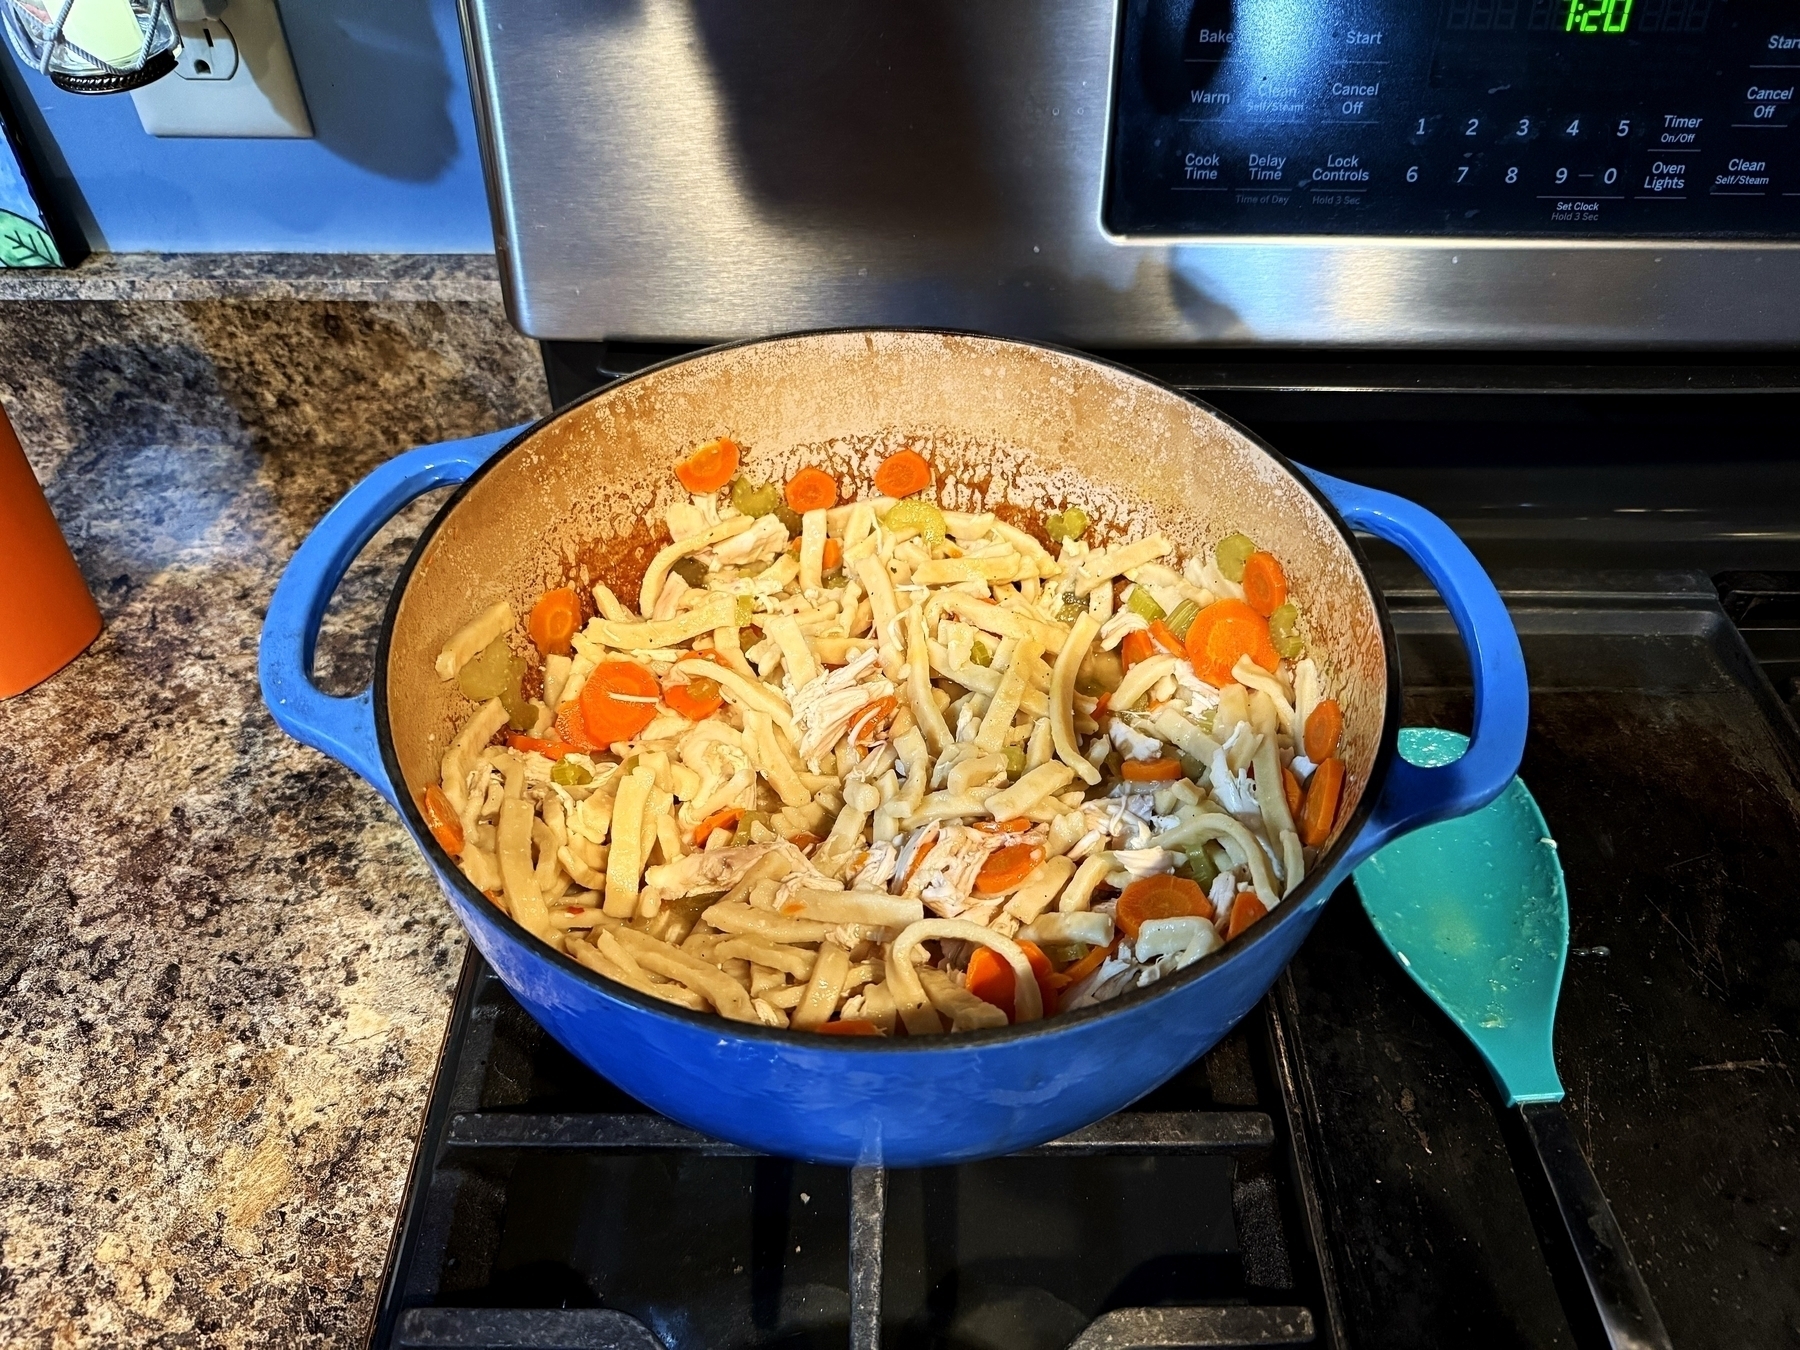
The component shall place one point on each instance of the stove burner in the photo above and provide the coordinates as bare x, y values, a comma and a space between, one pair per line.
547, 1209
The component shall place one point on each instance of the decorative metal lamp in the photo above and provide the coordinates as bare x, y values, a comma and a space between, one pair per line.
94, 46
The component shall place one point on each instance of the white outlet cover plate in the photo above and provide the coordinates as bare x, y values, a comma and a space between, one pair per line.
262, 98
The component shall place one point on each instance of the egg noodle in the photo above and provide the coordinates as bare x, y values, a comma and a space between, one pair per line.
879, 768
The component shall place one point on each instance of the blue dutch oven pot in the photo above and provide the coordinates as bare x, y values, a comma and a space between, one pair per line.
903, 1102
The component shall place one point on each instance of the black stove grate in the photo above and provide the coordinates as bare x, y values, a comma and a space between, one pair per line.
548, 1209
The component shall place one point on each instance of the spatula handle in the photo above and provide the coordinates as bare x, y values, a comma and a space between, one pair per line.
1620, 1296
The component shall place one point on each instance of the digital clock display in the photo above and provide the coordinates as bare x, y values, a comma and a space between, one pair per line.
1577, 16
1501, 118
1597, 16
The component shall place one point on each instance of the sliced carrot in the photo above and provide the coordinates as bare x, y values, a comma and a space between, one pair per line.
1245, 910
611, 719
990, 978
527, 745
710, 467
1007, 867
571, 726
1264, 583
1319, 812
1150, 770
848, 1026
696, 700
805, 839
903, 473
1291, 789
1165, 638
1224, 632
1137, 646
554, 620
812, 490
441, 818
833, 557
872, 720
1324, 728
725, 818
1159, 897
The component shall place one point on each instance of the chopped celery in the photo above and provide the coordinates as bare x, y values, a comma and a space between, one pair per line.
1062, 954
569, 773
690, 570
790, 518
1233, 552
754, 499
1071, 609
741, 835
835, 579
746, 609
1183, 618
520, 715
1284, 632
1070, 524
913, 514
702, 690
488, 674
1199, 869
497, 673
1015, 761
1206, 719
1143, 604
1099, 673
980, 654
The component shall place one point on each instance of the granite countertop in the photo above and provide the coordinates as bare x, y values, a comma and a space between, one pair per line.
464, 277
224, 970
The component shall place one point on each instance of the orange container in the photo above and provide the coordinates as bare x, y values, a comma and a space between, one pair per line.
47, 617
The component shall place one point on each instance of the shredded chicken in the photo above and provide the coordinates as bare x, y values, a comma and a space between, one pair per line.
825, 706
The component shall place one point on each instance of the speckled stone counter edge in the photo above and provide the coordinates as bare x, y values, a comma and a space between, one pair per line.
444, 278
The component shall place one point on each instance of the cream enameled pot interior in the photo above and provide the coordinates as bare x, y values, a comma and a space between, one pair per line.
1005, 424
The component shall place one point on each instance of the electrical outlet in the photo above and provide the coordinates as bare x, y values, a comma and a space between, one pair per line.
233, 76
208, 51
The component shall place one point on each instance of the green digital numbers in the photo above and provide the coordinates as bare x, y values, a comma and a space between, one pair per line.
1598, 16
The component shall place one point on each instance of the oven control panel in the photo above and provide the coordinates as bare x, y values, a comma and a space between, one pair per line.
1457, 118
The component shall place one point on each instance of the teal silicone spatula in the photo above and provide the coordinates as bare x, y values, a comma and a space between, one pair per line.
1476, 912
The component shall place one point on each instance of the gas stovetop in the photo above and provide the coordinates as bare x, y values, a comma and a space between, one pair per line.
551, 1210
1335, 1172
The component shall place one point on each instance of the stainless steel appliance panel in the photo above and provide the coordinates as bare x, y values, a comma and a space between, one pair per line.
692, 170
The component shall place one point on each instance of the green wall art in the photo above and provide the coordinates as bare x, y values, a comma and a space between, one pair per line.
25, 239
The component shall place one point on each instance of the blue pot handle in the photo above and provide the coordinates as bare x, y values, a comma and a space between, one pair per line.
344, 728
1414, 797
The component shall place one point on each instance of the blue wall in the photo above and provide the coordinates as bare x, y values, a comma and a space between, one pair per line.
393, 167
